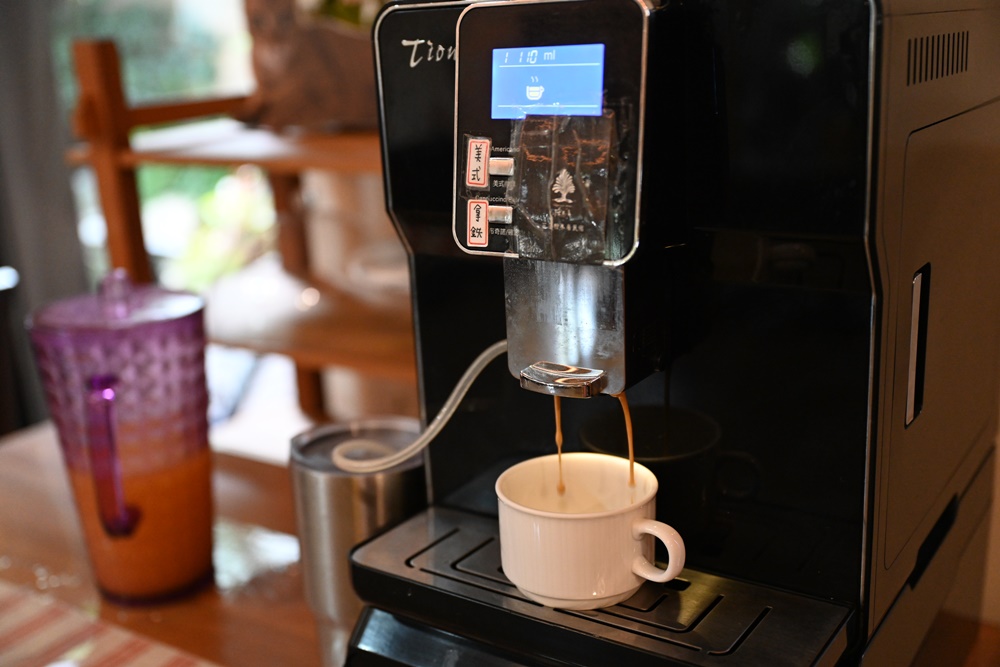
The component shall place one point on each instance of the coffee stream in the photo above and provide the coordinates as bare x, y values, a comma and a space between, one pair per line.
628, 433
561, 488
559, 443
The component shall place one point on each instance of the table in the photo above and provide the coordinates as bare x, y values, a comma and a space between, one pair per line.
255, 614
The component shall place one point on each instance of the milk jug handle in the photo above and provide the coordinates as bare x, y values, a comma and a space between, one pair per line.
117, 518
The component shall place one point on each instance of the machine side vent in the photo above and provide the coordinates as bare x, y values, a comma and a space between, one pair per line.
936, 56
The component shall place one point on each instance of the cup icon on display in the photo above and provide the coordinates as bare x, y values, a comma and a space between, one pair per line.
534, 93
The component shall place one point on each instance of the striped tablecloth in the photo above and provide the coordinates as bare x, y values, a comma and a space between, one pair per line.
38, 631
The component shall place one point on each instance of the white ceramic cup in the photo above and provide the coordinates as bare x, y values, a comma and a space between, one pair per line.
586, 548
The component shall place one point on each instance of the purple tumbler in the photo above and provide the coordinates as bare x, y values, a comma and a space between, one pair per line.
124, 378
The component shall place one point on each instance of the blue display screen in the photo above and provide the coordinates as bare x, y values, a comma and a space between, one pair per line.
548, 80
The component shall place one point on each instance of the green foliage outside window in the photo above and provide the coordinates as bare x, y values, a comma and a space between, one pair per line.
160, 61
166, 58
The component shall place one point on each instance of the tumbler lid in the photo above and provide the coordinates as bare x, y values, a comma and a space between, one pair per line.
377, 437
119, 304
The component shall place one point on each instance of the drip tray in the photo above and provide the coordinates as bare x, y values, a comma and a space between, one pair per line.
441, 569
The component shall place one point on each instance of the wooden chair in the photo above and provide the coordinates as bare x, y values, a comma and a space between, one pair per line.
339, 330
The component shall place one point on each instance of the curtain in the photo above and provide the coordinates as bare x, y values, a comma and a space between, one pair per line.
38, 234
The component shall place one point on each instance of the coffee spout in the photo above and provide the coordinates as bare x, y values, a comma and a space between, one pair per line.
555, 379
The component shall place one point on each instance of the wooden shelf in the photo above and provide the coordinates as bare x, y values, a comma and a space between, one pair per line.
263, 308
272, 306
228, 142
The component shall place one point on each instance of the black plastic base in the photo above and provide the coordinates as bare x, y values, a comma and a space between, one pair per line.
439, 597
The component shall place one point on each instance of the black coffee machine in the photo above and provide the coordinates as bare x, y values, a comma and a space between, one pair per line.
774, 225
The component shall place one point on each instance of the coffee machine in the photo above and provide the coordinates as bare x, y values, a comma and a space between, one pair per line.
773, 226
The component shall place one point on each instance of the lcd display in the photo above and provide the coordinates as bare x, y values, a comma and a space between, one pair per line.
548, 80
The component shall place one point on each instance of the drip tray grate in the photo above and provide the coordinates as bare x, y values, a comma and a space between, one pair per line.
698, 618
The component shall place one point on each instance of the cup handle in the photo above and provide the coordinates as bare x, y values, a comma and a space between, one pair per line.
117, 518
675, 550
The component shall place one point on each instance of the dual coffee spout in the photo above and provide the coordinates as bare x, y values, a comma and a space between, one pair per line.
546, 377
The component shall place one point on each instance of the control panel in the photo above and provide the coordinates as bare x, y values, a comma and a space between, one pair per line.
415, 63
548, 129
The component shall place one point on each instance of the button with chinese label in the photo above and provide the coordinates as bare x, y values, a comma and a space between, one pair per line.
478, 235
476, 162
501, 166
501, 215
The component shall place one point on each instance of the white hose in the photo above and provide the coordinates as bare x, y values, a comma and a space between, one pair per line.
343, 459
